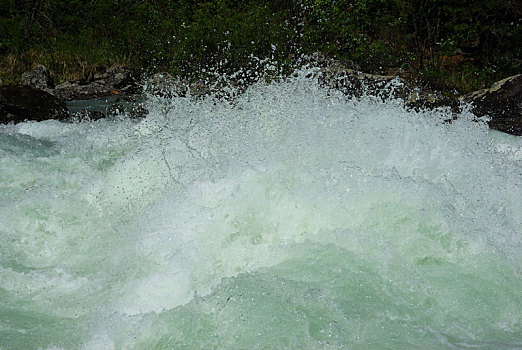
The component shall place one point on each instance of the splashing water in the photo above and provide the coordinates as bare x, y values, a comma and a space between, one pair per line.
292, 218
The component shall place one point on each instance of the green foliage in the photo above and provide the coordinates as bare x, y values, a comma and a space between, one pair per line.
474, 40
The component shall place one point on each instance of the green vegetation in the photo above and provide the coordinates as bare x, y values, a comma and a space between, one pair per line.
451, 44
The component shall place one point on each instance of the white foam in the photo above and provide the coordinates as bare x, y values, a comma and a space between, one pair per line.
147, 214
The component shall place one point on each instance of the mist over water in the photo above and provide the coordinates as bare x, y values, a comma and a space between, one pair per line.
290, 217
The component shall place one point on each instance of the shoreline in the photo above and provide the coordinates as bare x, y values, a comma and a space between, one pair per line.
501, 102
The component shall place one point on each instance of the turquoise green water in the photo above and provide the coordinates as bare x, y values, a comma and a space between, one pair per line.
293, 218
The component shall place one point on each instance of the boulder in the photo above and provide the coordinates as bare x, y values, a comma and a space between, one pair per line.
20, 102
121, 79
357, 84
115, 80
38, 78
419, 99
164, 85
77, 91
502, 103
339, 76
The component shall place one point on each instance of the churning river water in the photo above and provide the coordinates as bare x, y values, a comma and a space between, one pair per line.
290, 218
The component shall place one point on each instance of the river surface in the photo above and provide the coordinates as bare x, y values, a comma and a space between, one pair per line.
289, 218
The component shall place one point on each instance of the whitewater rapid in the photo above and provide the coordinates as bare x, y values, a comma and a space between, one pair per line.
289, 217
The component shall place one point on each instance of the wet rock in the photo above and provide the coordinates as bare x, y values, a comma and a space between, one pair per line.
121, 79
133, 111
115, 80
419, 99
116, 109
78, 91
164, 85
138, 111
38, 78
357, 84
502, 103
334, 74
87, 115
20, 102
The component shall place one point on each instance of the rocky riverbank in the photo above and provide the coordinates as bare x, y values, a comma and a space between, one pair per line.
501, 103
37, 98
115, 80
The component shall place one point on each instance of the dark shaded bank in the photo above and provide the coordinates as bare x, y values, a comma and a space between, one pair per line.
464, 45
122, 88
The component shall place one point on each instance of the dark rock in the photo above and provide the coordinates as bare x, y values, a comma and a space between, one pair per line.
132, 110
116, 109
357, 84
87, 115
502, 103
164, 85
76, 91
138, 111
115, 80
38, 78
334, 74
122, 79
419, 99
19, 103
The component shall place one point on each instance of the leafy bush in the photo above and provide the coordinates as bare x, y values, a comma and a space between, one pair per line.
188, 36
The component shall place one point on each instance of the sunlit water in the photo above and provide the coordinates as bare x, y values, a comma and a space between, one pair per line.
291, 218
